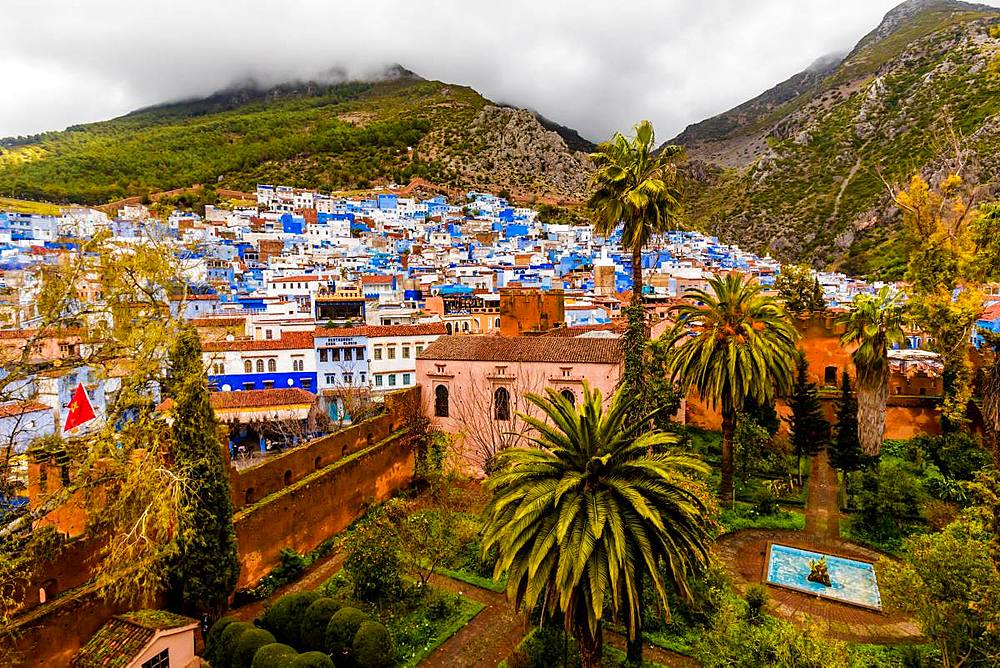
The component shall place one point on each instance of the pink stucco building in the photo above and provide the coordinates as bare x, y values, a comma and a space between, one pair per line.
474, 387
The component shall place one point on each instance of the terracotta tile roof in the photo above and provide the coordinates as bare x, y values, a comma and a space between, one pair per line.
617, 326
28, 333
288, 341
16, 408
991, 313
373, 279
223, 401
382, 331
296, 279
222, 321
524, 349
122, 638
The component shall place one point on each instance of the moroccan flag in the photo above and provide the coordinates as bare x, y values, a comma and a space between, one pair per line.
80, 410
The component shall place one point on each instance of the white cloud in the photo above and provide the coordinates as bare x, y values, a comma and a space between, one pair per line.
597, 66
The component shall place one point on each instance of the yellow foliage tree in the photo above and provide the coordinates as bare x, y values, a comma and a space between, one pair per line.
944, 295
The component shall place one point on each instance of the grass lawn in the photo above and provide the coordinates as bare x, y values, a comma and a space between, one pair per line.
26, 206
682, 643
743, 516
499, 586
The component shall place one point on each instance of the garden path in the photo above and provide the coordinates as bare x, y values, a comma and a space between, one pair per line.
822, 504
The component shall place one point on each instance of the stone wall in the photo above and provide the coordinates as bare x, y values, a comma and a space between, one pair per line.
360, 465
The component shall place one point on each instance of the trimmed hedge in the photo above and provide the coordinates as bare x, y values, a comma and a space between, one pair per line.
340, 632
227, 644
284, 617
275, 655
373, 646
312, 660
247, 645
312, 630
214, 635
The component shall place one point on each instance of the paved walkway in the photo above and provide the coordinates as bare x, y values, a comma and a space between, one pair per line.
822, 503
744, 553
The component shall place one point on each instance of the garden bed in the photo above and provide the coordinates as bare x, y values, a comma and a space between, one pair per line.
419, 622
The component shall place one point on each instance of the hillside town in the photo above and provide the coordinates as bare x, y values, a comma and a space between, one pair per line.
317, 304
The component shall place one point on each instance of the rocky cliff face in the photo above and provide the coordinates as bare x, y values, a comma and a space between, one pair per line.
515, 152
801, 171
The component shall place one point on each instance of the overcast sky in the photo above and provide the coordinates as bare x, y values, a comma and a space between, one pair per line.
597, 66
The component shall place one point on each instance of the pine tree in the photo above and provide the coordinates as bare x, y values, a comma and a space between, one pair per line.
204, 573
817, 302
845, 449
809, 429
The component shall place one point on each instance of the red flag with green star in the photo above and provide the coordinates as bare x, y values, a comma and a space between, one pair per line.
80, 410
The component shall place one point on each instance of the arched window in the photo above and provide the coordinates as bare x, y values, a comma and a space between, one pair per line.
448, 327
496, 323
260, 366
272, 366
287, 478
570, 397
465, 326
501, 404
247, 366
440, 401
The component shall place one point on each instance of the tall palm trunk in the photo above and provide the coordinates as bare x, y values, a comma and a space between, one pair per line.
873, 393
633, 644
636, 275
728, 429
591, 645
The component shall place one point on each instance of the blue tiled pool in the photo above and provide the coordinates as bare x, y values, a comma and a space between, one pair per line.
851, 581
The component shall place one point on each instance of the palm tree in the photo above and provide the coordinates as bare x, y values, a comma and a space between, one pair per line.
635, 187
577, 517
874, 323
732, 343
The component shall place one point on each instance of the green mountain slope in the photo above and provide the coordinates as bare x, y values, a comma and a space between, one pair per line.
338, 136
801, 171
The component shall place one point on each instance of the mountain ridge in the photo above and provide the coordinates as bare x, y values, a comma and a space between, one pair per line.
801, 170
333, 134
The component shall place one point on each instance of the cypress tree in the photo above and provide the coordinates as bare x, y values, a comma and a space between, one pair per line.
205, 571
809, 429
845, 451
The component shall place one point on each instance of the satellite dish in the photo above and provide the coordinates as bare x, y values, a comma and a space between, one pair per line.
230, 337
227, 388
290, 382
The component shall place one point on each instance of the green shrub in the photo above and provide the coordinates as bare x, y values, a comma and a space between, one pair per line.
275, 655
756, 598
373, 647
227, 643
548, 645
339, 637
886, 494
247, 645
284, 617
214, 636
312, 630
373, 563
312, 660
